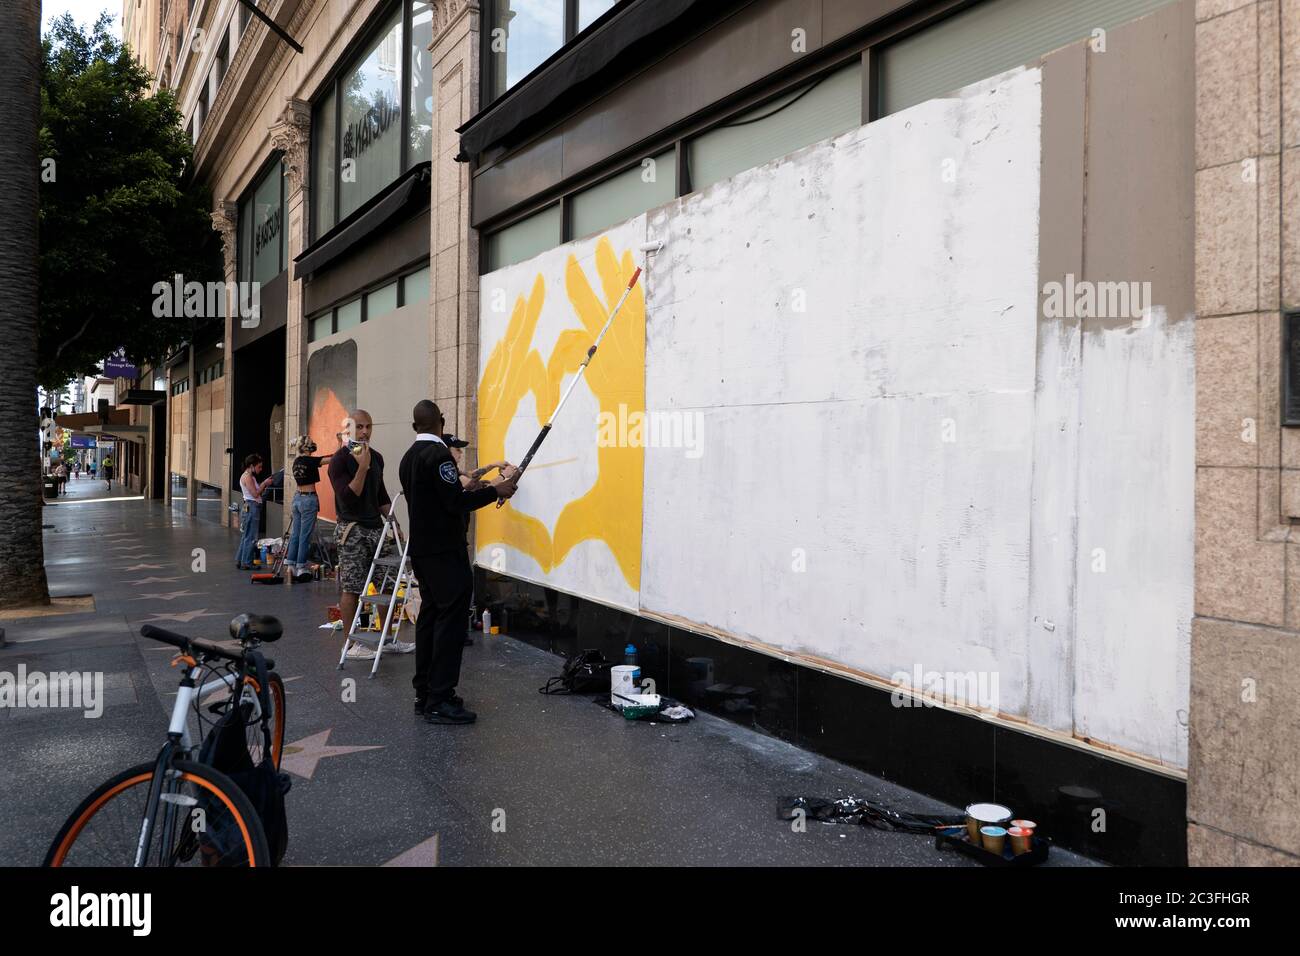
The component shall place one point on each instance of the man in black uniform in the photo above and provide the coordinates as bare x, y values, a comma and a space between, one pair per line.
438, 504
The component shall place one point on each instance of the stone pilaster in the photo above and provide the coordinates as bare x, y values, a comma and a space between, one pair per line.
291, 134
1243, 793
225, 219
453, 303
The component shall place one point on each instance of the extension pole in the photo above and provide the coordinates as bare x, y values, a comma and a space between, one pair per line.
546, 429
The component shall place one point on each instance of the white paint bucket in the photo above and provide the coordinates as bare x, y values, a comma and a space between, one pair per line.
621, 684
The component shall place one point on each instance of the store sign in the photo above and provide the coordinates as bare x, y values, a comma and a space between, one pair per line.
268, 230
368, 128
83, 441
118, 364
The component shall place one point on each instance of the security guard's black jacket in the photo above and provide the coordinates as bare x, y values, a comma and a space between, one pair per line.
437, 502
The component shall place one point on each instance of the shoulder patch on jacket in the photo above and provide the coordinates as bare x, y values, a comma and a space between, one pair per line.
449, 472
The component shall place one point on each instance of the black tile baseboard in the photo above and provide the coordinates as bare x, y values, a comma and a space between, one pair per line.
1103, 808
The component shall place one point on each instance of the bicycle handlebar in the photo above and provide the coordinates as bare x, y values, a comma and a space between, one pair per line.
184, 643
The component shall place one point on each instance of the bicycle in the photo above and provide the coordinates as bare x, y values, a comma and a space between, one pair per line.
206, 819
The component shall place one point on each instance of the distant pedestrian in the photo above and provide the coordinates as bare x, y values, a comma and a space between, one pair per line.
250, 518
60, 478
92, 470
108, 471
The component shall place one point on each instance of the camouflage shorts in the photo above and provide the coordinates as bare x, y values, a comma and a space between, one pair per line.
356, 553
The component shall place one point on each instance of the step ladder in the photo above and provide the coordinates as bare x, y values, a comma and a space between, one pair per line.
393, 582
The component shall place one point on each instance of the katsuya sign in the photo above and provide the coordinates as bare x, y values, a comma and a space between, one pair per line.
268, 229
371, 125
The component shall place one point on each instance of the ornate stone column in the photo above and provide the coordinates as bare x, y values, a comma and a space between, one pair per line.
225, 219
291, 135
453, 303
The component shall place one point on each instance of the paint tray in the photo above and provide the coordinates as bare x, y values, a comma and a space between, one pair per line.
954, 838
636, 706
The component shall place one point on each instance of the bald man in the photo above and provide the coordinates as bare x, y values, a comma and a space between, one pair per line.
356, 473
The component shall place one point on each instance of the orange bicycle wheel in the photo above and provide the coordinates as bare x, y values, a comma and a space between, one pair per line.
203, 819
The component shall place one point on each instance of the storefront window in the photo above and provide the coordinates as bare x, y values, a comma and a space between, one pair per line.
371, 120
420, 127
262, 233
374, 120
322, 161
589, 10
381, 301
521, 34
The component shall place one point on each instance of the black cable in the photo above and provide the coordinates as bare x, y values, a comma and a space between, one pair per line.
804, 92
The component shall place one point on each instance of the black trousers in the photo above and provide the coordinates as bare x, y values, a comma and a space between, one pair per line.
446, 588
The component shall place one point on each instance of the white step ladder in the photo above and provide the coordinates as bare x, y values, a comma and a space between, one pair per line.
393, 583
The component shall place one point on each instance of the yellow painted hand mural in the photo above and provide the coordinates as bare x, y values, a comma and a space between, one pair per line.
610, 510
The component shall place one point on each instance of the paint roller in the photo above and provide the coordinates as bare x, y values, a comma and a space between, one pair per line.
645, 248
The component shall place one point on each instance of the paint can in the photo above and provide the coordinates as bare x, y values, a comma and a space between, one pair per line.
985, 814
621, 682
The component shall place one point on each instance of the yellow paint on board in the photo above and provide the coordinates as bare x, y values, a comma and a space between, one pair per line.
610, 510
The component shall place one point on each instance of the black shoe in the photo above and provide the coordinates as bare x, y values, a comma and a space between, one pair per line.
448, 712
302, 577
422, 703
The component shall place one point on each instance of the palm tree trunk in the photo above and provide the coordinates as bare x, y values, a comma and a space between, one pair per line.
22, 554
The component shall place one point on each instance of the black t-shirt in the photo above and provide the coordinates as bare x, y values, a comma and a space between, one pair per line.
362, 508
306, 468
435, 499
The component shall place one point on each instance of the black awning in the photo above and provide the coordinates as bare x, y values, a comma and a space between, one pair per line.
143, 396
391, 202
632, 35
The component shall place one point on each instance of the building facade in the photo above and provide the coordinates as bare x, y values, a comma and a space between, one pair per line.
934, 436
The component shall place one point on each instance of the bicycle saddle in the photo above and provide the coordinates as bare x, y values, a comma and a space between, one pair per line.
260, 627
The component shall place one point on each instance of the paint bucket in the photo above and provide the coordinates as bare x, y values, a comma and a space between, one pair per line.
1029, 825
985, 814
994, 838
621, 677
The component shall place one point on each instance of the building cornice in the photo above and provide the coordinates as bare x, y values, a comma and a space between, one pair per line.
258, 60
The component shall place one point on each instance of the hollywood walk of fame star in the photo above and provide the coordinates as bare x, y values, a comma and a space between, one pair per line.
422, 854
301, 756
185, 617
153, 580
163, 596
144, 567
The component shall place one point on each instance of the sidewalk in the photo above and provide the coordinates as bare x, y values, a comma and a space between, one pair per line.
571, 782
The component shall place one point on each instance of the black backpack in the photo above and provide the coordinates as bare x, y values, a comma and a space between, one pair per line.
226, 749
586, 672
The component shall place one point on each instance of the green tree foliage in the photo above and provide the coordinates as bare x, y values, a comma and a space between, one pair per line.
118, 211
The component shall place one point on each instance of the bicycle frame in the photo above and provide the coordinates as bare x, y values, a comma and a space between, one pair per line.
179, 741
